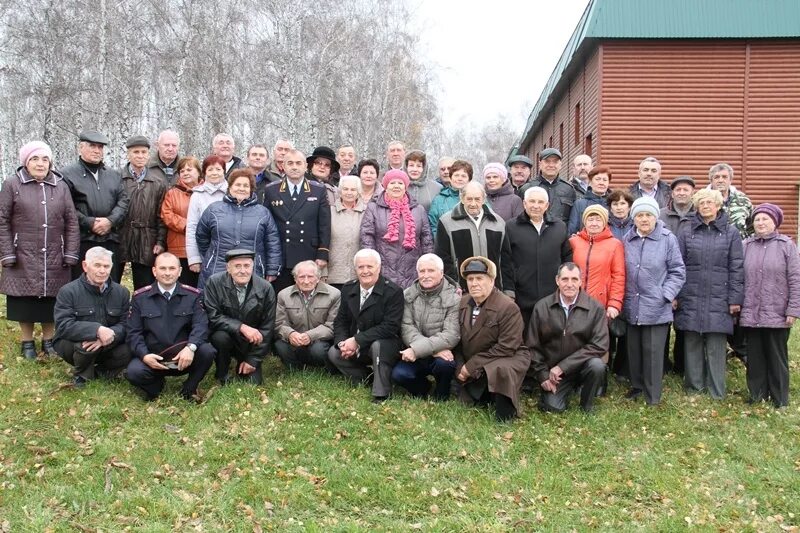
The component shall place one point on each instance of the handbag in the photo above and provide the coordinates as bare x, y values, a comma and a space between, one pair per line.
618, 327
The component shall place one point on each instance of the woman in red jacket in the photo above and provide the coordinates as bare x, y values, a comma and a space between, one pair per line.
173, 213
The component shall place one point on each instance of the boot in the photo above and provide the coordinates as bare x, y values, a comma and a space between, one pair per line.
48, 348
28, 349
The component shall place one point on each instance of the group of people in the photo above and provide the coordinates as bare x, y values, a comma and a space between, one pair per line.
390, 277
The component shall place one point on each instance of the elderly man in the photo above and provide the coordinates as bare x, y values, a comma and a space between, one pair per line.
471, 228
492, 357
650, 183
499, 192
168, 333
734, 202
304, 318
366, 331
520, 167
430, 331
301, 211
444, 170
144, 234
561, 194
164, 162
90, 315
99, 197
581, 166
224, 146
346, 157
279, 151
257, 161
241, 314
395, 155
539, 244
568, 338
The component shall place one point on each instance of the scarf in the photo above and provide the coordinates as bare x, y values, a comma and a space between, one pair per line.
398, 208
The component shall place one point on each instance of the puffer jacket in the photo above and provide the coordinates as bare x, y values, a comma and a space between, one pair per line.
397, 264
174, 211
576, 215
39, 236
771, 282
228, 225
143, 227
561, 196
446, 200
654, 275
601, 259
104, 197
504, 201
203, 195
424, 191
430, 318
712, 254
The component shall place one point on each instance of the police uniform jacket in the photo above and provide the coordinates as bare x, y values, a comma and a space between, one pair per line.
155, 324
304, 224
81, 308
380, 318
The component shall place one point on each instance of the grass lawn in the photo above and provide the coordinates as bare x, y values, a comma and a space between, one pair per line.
305, 452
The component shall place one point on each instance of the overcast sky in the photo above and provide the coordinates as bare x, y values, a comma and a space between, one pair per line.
494, 57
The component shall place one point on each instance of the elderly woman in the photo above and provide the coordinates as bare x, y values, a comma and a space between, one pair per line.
39, 242
420, 188
492, 356
239, 222
596, 194
212, 189
712, 295
448, 197
324, 168
397, 228
771, 305
499, 192
471, 229
368, 171
174, 211
654, 275
619, 204
346, 216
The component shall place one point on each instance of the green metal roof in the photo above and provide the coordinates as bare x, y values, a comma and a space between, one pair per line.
670, 19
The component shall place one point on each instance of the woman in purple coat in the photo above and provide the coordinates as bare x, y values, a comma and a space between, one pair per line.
771, 305
39, 242
397, 228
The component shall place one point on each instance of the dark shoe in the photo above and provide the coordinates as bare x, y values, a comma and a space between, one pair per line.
48, 348
79, 382
28, 350
379, 399
194, 397
633, 394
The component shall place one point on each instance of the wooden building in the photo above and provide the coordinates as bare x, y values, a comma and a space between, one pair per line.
691, 82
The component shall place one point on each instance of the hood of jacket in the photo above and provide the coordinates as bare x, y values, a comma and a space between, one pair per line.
505, 190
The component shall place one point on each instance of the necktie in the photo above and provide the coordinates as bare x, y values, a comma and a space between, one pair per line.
167, 295
364, 296
294, 192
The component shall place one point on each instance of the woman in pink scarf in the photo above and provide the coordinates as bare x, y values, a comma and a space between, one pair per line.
397, 228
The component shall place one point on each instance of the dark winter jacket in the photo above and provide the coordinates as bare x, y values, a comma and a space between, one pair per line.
654, 275
228, 225
39, 237
712, 254
673, 220
663, 192
143, 227
379, 318
156, 167
576, 215
397, 263
104, 197
536, 257
458, 238
505, 202
81, 309
619, 227
561, 196
771, 282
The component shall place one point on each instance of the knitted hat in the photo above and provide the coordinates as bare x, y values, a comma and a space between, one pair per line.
772, 211
596, 209
645, 204
497, 168
395, 174
34, 148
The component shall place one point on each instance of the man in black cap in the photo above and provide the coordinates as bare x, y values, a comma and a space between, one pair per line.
168, 333
560, 193
519, 169
99, 197
324, 168
144, 235
301, 210
241, 313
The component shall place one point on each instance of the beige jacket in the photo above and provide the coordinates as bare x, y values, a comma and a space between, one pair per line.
345, 231
315, 319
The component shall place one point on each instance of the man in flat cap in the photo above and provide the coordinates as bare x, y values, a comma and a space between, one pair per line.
99, 197
144, 235
241, 313
561, 194
168, 333
519, 169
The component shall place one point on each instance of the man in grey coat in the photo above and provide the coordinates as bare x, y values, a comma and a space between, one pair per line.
430, 330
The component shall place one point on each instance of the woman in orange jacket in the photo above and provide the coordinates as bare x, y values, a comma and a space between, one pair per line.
174, 210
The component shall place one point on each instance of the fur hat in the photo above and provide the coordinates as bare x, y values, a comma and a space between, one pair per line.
478, 265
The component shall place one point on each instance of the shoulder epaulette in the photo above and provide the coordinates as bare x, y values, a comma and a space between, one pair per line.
142, 290
190, 288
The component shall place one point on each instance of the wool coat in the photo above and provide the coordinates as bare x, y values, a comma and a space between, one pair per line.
601, 259
771, 281
430, 318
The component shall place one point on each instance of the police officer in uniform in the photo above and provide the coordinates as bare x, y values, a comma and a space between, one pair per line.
168, 333
301, 210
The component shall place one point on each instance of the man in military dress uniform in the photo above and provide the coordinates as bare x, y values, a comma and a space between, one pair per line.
301, 210
168, 332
